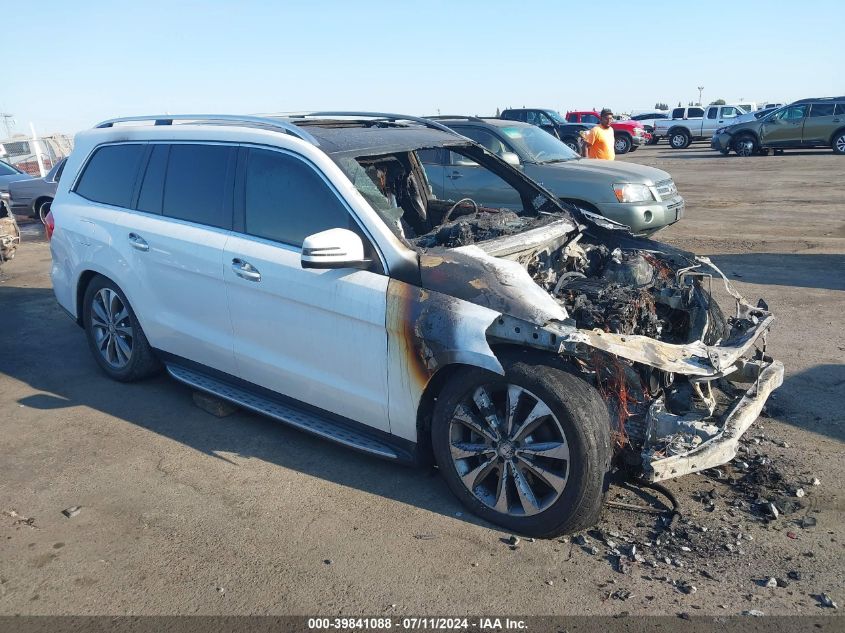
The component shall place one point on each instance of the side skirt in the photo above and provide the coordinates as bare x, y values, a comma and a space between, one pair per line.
292, 412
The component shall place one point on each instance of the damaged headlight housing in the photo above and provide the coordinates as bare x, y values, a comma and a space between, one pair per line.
630, 192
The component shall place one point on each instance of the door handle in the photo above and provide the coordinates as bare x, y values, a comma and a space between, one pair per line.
138, 243
455, 175
245, 270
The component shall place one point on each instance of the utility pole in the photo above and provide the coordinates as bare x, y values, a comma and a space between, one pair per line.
700, 89
8, 121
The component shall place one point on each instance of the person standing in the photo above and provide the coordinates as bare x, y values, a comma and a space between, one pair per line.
599, 140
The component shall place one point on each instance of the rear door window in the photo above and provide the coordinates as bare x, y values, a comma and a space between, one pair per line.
821, 109
110, 175
196, 183
152, 186
589, 118
695, 112
286, 200
712, 113
485, 138
840, 109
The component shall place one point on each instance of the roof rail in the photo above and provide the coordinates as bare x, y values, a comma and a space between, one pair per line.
385, 116
254, 121
462, 117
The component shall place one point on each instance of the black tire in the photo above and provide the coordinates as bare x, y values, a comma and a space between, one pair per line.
725, 152
141, 361
572, 144
622, 144
837, 143
679, 139
634, 148
42, 209
745, 145
578, 410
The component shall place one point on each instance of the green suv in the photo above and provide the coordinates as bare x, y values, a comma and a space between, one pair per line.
806, 123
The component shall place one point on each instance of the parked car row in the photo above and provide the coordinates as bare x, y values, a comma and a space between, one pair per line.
628, 134
387, 283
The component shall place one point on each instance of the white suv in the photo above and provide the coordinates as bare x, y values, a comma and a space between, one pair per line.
303, 269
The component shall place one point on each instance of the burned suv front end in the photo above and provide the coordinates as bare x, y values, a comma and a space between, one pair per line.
682, 379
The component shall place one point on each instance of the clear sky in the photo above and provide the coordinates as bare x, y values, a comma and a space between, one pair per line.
68, 65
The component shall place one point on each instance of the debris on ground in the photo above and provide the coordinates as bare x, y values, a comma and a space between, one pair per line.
217, 407
19, 519
826, 601
72, 511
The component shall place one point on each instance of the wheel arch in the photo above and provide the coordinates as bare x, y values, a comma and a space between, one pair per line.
678, 128
39, 201
835, 134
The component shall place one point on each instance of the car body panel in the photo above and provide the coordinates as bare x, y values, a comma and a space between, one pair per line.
26, 193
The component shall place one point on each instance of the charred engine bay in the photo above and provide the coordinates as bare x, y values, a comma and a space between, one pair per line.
621, 291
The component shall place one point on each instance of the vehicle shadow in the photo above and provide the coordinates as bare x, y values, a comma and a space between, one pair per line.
801, 270
59, 367
812, 400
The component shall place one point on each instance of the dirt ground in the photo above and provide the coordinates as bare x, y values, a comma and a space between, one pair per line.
182, 512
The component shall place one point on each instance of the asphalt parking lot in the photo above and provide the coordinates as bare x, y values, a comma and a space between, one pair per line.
182, 512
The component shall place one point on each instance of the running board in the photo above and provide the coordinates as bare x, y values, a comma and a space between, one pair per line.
289, 414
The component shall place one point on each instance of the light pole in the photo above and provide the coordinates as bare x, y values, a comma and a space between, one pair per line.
700, 88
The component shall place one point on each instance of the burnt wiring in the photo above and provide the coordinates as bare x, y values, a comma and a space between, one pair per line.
634, 507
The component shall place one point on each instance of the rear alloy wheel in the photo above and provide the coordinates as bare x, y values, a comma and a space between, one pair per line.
679, 140
746, 146
622, 144
838, 143
114, 335
528, 450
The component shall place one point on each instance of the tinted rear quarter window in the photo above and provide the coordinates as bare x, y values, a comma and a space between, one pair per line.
110, 175
678, 113
286, 200
840, 109
196, 184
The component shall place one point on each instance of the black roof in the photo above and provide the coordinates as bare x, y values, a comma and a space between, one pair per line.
363, 138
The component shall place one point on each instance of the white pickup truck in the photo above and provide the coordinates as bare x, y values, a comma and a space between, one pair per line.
695, 123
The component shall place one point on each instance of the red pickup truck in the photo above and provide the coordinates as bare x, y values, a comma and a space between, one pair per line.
629, 134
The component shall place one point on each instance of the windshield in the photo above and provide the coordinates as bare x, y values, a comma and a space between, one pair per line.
555, 116
538, 146
7, 170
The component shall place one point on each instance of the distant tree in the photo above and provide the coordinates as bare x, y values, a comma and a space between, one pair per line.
680, 105
718, 102
497, 113
660, 106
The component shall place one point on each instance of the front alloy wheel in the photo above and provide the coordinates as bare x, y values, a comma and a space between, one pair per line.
745, 146
528, 449
509, 449
622, 144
